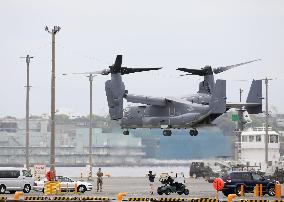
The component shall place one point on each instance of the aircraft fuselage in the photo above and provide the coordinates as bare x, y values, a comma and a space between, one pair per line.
173, 114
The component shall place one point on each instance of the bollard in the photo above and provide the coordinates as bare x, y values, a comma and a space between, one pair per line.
59, 188
17, 195
256, 190
278, 191
231, 197
81, 176
242, 190
217, 195
120, 196
76, 188
51, 188
260, 190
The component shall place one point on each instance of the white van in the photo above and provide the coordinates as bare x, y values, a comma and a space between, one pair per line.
15, 179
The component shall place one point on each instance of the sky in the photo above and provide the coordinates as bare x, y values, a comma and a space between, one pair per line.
160, 33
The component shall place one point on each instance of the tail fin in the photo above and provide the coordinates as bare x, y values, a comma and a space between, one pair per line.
218, 100
254, 99
115, 91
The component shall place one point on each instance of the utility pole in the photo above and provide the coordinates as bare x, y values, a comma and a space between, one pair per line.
91, 76
28, 59
266, 120
241, 91
53, 32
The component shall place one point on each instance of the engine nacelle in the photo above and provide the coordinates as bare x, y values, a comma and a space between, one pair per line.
114, 95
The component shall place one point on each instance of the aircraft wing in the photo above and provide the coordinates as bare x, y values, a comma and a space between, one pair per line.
240, 105
157, 101
179, 100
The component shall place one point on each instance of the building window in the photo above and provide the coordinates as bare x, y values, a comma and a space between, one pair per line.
258, 138
273, 139
244, 138
251, 138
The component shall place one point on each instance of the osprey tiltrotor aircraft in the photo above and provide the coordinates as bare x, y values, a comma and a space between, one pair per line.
174, 113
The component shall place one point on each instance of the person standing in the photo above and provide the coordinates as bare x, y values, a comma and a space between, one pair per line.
151, 177
99, 180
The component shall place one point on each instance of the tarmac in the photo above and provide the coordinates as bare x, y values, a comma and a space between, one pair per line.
139, 187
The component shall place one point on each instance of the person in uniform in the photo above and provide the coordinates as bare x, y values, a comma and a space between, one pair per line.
99, 180
151, 177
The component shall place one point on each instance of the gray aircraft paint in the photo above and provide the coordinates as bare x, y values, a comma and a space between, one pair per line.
187, 112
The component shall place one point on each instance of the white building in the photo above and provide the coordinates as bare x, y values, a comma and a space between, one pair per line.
252, 147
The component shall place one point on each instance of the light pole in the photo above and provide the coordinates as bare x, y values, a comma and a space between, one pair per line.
28, 59
91, 78
241, 92
266, 119
53, 32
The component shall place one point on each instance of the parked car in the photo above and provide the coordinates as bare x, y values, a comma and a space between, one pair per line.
81, 186
199, 169
211, 177
233, 181
15, 179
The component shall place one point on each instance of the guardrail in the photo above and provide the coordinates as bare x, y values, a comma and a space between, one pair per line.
120, 197
106, 199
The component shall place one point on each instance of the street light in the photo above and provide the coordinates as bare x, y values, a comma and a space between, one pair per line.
53, 32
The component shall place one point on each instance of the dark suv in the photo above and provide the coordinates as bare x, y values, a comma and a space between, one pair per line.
233, 181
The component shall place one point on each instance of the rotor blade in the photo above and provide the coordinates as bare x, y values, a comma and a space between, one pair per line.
102, 72
125, 70
185, 74
222, 69
82, 73
198, 72
118, 61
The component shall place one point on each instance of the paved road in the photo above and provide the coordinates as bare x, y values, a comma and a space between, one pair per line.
139, 187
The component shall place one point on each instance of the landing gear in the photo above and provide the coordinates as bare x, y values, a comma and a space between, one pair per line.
167, 132
126, 132
193, 132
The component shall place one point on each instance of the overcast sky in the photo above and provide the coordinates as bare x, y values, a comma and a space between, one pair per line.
147, 33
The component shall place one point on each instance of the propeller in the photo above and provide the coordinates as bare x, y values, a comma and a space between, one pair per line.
222, 69
117, 68
207, 70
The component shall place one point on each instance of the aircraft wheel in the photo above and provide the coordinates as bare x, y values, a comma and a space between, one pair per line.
126, 132
195, 132
167, 132
192, 132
